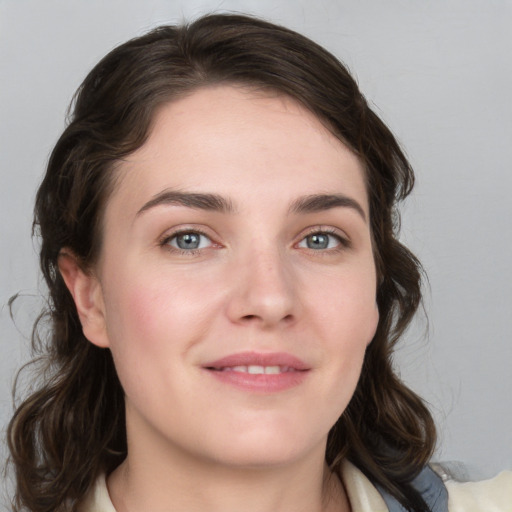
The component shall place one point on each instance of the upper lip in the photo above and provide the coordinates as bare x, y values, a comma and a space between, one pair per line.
258, 359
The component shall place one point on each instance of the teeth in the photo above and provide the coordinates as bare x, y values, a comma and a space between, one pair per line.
257, 370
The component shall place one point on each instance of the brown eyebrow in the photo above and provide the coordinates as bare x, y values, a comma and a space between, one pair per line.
319, 202
212, 202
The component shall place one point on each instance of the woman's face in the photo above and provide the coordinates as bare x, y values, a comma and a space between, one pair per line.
236, 285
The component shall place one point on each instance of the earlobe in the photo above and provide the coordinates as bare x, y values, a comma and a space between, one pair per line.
86, 291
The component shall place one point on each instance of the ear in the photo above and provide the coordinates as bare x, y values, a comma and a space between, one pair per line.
88, 296
373, 323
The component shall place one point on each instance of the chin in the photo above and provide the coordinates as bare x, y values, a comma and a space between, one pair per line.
261, 448
259, 458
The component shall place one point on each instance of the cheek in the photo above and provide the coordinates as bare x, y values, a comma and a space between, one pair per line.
347, 317
346, 305
156, 315
150, 326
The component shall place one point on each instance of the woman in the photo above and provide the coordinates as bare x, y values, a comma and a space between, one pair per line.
218, 231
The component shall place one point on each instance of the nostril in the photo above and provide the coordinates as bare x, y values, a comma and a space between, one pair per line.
251, 318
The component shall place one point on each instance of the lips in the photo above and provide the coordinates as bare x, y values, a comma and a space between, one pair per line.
255, 369
257, 372
282, 360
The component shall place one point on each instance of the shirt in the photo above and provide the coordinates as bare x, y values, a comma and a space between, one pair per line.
494, 495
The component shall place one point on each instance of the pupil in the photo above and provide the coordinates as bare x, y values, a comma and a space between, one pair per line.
318, 241
188, 241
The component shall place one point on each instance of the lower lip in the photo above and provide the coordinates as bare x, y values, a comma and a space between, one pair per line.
262, 382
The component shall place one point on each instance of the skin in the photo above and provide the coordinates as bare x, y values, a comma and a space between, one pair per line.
256, 283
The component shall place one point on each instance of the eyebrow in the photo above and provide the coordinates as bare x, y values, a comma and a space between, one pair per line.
214, 202
320, 202
211, 202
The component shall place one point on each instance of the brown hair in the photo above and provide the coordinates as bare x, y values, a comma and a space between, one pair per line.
73, 428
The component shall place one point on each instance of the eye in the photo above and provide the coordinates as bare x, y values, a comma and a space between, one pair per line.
322, 240
188, 241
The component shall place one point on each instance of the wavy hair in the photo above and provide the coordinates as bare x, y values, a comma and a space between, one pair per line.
71, 428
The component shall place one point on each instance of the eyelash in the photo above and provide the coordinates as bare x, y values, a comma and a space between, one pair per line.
344, 243
165, 242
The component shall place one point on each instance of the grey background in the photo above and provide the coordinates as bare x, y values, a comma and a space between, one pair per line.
438, 73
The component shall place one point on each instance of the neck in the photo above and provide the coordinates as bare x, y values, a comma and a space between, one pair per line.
167, 480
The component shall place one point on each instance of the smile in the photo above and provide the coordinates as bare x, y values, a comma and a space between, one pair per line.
256, 370
259, 372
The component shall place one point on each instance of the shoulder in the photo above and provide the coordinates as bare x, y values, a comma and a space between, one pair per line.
98, 500
494, 495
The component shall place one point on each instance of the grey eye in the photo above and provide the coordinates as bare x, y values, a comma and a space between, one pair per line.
189, 241
320, 241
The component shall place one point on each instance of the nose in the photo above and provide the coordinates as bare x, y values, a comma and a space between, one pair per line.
263, 291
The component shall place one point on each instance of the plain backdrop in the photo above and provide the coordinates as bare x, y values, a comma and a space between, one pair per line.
438, 72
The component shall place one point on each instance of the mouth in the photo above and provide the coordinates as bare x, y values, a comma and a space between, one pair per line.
255, 369
259, 372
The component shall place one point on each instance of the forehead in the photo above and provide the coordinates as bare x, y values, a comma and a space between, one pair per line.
225, 138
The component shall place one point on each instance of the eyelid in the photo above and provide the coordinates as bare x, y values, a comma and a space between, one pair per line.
173, 241
168, 235
344, 239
